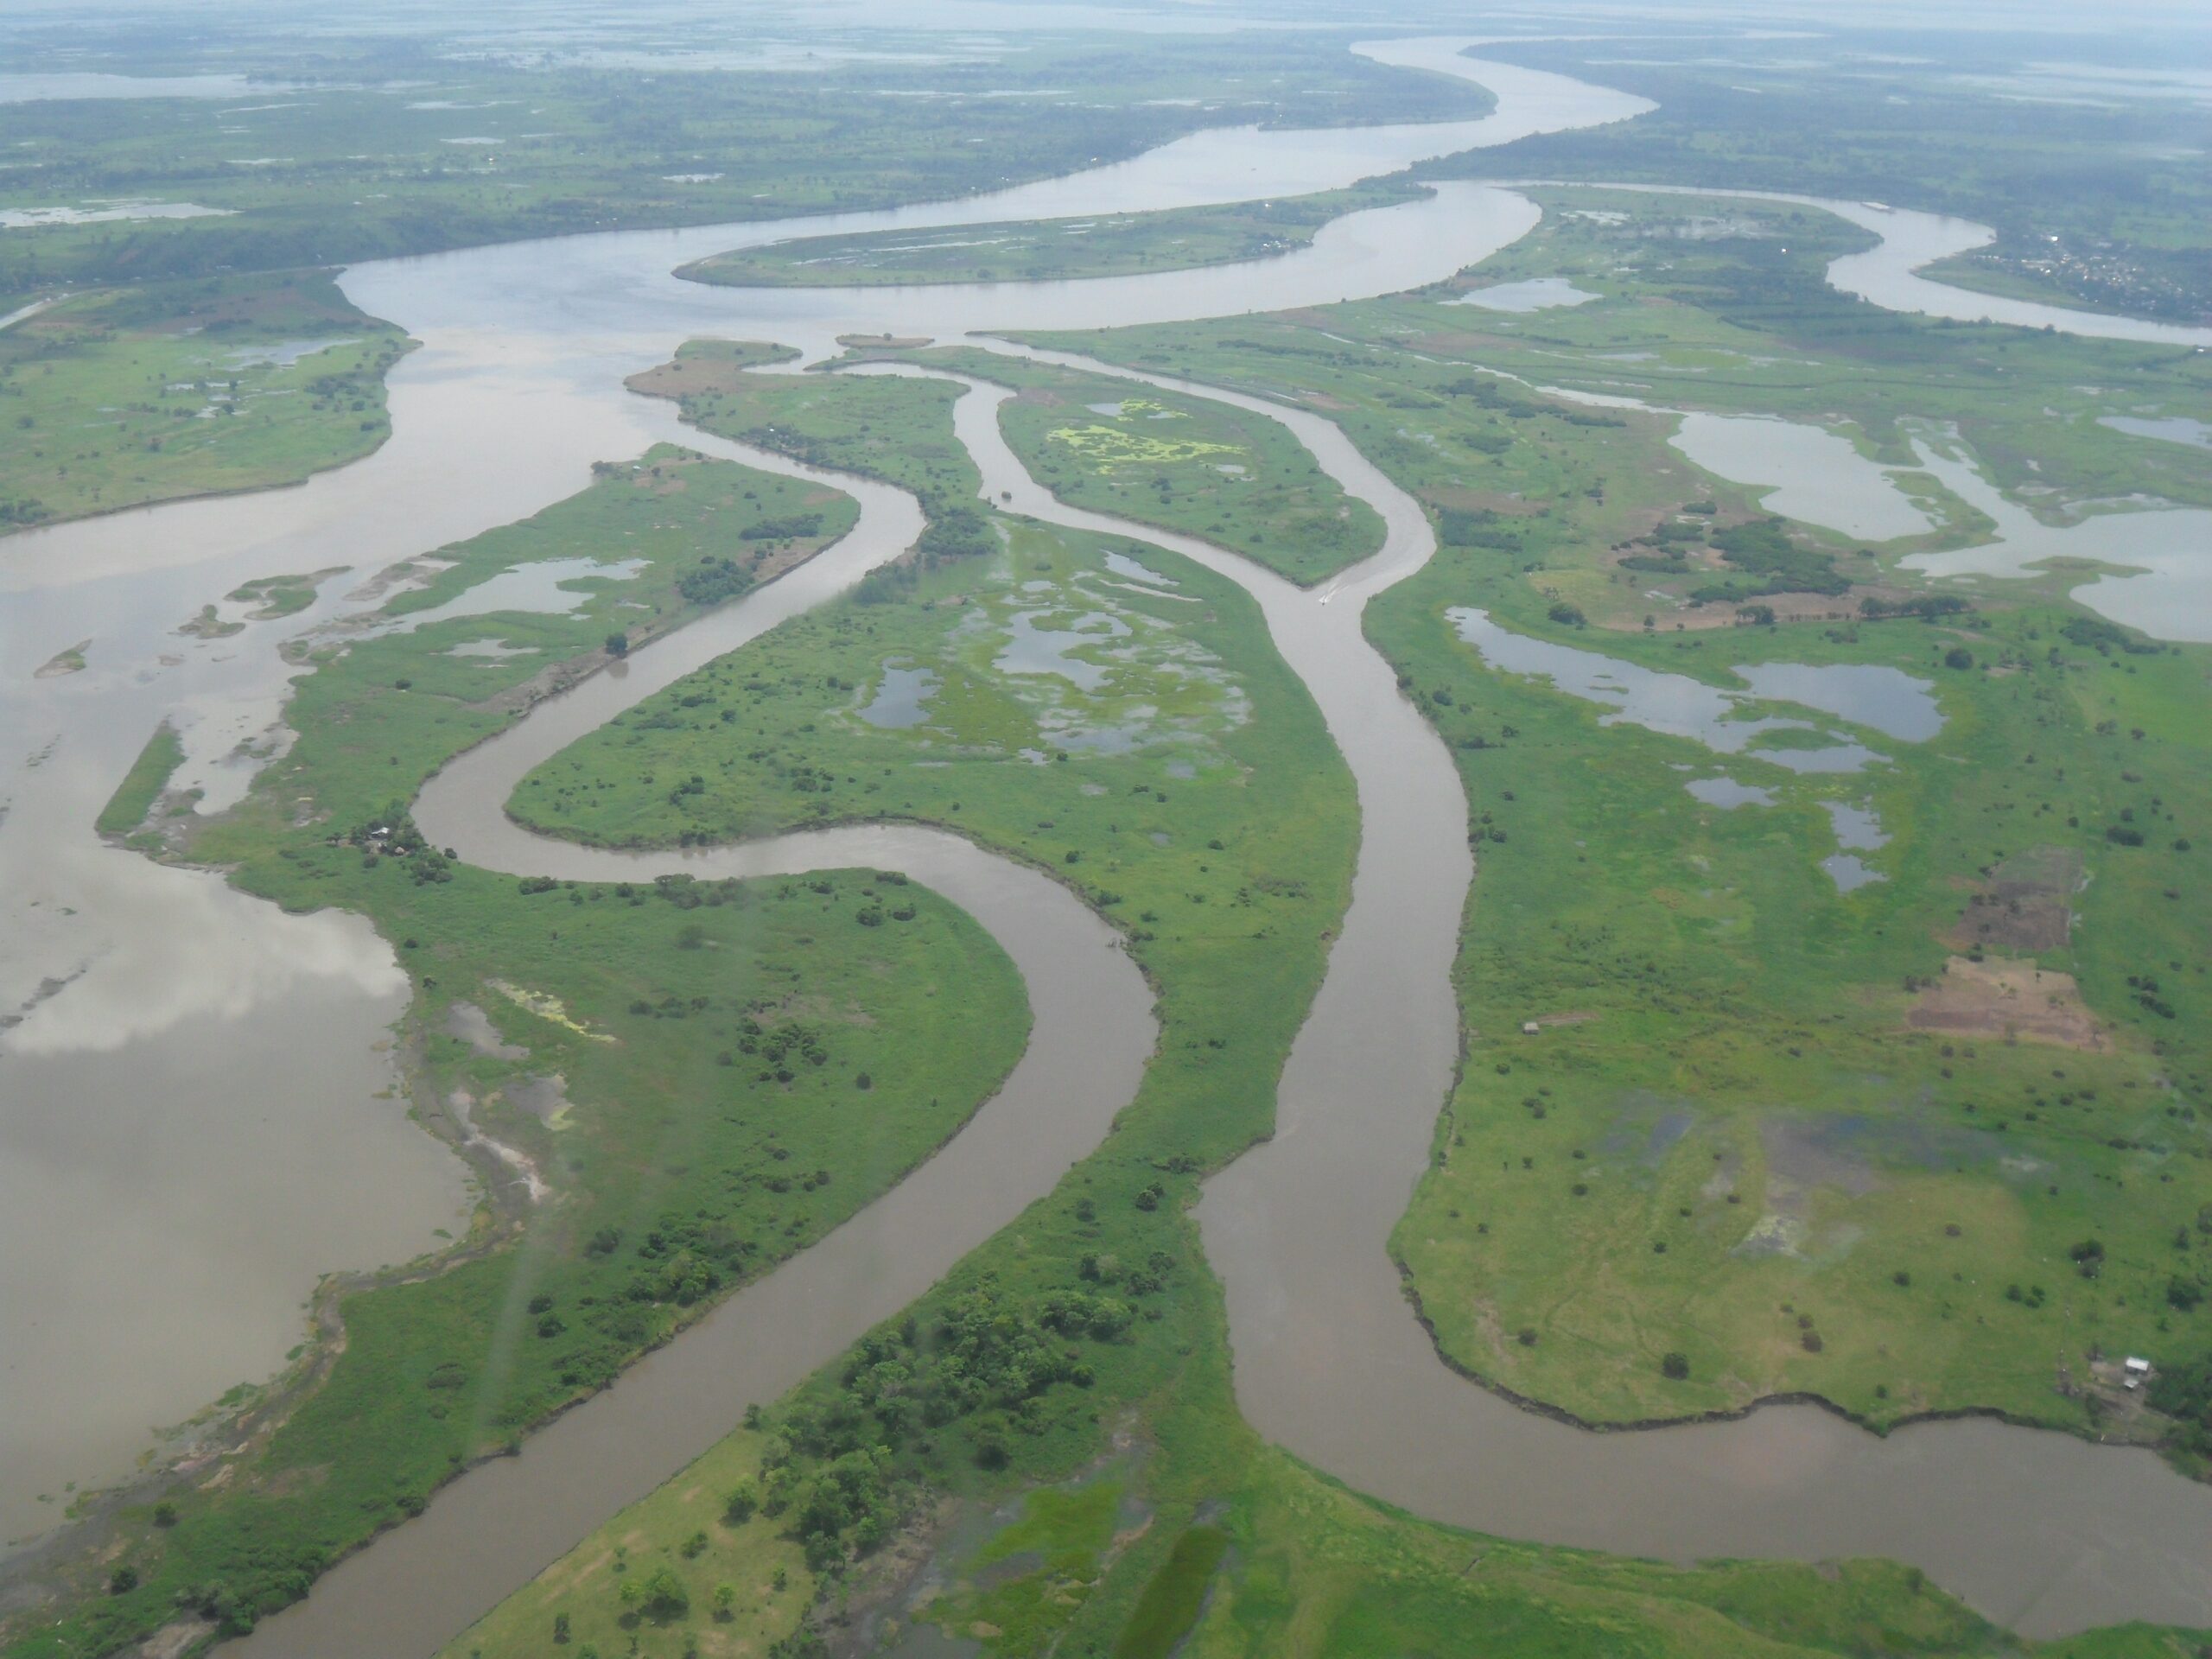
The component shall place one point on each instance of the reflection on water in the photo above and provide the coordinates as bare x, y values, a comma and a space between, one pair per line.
546, 585
1857, 828
174, 1181
1890, 701
1727, 792
1537, 294
1849, 873
1037, 650
1122, 565
1820, 477
902, 699
1676, 704
2168, 593
2174, 429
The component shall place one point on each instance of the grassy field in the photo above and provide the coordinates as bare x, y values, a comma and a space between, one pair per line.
1873, 1145
1182, 463
1730, 1163
138, 395
678, 1066
1055, 249
896, 429
1048, 1438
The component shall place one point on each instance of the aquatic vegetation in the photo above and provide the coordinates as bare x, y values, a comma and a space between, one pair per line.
1109, 449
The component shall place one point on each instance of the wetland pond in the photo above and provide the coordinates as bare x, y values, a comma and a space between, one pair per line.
1537, 294
1820, 477
515, 389
1885, 699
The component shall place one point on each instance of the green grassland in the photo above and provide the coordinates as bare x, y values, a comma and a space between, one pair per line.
1738, 321
131, 396
705, 1076
1734, 1147
1050, 1433
431, 134
1055, 249
2089, 178
1722, 304
1203, 1542
1733, 1143
897, 429
1235, 478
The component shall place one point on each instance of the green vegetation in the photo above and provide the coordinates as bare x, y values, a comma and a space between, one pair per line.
898, 430
141, 787
1172, 1600
438, 133
1189, 464
1738, 319
1745, 1091
2089, 177
677, 1064
1803, 1140
1058, 248
1085, 1331
2182, 1389
1810, 1141
275, 597
134, 395
741, 1582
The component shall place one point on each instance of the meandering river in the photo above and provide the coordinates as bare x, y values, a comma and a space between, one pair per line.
517, 388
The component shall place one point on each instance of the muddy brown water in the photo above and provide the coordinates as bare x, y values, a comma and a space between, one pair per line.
515, 390
524, 349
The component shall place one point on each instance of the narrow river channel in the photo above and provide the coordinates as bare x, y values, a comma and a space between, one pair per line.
2042, 1531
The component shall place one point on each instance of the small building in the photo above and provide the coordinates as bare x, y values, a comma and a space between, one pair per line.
1530, 1027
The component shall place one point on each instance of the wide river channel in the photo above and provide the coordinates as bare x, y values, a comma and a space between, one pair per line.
517, 388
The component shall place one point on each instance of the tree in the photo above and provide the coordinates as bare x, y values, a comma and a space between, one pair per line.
1676, 1366
618, 644
660, 1595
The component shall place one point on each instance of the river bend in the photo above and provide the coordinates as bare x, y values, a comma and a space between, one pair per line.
2042, 1531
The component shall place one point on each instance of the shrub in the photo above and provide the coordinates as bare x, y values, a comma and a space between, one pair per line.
1676, 1366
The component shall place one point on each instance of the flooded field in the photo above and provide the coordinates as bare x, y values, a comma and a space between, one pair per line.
515, 390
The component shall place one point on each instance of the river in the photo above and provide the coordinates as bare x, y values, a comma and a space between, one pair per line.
516, 388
